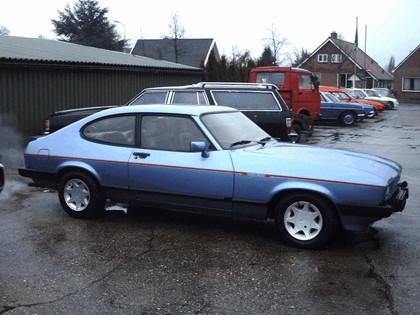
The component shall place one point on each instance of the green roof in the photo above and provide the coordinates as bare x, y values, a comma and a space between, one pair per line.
36, 49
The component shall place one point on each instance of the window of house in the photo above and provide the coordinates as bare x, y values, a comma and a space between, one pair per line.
322, 58
411, 85
336, 58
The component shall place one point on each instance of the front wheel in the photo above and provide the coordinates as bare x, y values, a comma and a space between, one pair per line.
390, 105
80, 196
305, 220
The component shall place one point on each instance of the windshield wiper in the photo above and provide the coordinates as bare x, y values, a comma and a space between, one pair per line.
263, 141
242, 142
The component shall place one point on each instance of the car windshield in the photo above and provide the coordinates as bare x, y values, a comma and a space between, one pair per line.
234, 129
360, 94
332, 97
341, 95
372, 93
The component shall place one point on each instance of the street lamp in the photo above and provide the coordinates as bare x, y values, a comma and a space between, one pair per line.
124, 31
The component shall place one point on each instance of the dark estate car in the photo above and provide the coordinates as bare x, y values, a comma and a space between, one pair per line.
262, 103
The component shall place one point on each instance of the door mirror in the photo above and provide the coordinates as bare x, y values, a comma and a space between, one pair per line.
199, 146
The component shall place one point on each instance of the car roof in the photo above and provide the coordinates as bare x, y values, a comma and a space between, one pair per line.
194, 110
217, 85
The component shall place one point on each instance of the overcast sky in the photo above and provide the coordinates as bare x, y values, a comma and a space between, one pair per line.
393, 26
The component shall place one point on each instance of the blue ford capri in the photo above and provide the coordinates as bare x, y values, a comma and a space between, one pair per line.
217, 161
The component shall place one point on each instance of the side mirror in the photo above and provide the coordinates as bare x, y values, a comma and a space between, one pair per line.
199, 146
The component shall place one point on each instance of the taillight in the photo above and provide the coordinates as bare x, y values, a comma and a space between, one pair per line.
46, 126
289, 122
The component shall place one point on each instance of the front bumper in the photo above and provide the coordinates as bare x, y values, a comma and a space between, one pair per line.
359, 217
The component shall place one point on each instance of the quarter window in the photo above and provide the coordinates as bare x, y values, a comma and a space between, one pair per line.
323, 58
117, 130
150, 98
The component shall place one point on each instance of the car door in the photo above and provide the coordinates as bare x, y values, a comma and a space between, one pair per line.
163, 171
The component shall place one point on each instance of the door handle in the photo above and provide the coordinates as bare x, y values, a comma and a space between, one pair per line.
140, 155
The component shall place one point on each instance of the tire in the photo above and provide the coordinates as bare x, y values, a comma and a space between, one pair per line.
80, 196
390, 105
348, 118
298, 131
305, 220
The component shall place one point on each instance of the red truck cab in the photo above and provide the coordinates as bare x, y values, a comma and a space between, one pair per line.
298, 87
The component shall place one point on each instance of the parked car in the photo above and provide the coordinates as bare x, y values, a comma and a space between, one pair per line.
389, 102
341, 113
2, 177
338, 107
217, 161
384, 92
262, 103
343, 96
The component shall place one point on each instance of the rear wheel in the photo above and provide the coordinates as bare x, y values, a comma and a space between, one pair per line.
305, 220
80, 196
348, 118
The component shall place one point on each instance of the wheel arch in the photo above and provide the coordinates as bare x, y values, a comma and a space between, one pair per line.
83, 168
320, 193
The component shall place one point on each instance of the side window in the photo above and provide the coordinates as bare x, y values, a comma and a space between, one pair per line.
188, 97
170, 133
117, 130
276, 78
305, 82
249, 100
150, 98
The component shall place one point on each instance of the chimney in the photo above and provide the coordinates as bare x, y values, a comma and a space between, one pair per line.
333, 35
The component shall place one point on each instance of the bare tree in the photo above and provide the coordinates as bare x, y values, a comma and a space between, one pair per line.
276, 42
176, 33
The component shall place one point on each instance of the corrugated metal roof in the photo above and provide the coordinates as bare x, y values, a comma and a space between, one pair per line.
36, 49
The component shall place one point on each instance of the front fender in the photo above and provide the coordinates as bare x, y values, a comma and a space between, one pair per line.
304, 186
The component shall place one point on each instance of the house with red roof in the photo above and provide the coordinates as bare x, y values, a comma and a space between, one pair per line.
338, 63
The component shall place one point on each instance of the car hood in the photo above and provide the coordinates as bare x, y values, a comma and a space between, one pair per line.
314, 162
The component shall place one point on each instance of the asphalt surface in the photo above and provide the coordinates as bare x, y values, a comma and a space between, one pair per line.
170, 263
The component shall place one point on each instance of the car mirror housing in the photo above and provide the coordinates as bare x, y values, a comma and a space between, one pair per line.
199, 146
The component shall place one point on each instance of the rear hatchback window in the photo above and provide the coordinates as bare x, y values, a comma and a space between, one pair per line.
246, 100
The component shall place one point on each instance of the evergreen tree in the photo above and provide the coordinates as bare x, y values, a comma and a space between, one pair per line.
87, 24
267, 58
391, 64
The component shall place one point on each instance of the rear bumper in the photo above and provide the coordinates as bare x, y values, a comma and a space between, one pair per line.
40, 179
359, 217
